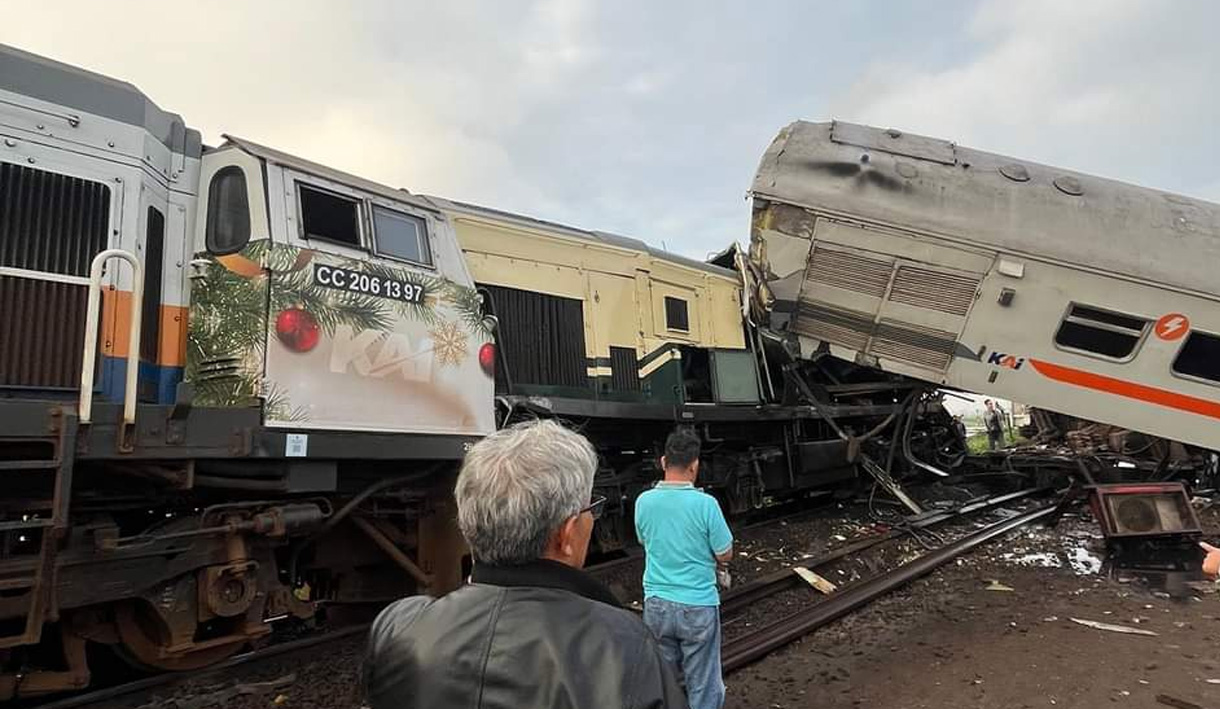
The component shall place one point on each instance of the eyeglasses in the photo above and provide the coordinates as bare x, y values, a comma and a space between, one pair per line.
595, 507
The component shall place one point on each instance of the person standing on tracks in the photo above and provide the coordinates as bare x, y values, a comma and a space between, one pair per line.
684, 536
993, 420
530, 629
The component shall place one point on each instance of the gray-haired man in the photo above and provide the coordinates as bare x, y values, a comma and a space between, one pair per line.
531, 629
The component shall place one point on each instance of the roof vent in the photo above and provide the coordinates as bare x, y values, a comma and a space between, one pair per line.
1069, 185
1015, 172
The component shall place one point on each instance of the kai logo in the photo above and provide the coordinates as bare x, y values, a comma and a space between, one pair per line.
382, 354
1007, 361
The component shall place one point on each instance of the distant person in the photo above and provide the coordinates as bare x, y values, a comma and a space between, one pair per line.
1211, 563
684, 535
531, 629
993, 420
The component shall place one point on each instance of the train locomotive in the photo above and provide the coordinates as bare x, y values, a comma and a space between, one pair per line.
236, 385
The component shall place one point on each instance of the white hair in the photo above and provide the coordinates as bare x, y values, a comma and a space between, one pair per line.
518, 485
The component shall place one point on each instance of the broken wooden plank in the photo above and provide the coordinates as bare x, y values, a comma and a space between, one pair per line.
1113, 628
814, 580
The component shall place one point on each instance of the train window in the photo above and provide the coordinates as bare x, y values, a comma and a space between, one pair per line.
228, 224
401, 236
1100, 332
329, 217
1199, 357
676, 315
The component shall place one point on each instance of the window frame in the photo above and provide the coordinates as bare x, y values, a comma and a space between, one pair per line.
1178, 353
209, 234
1067, 314
425, 243
363, 228
665, 311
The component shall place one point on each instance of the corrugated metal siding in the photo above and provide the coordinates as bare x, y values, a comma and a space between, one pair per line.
51, 222
935, 290
42, 330
542, 337
624, 369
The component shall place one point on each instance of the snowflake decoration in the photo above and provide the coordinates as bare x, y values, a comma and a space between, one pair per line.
449, 344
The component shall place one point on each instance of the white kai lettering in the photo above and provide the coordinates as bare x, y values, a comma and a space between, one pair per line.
377, 354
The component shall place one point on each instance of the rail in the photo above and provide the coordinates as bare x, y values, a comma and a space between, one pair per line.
92, 315
748, 648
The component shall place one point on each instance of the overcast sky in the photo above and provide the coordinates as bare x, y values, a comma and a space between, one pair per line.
648, 118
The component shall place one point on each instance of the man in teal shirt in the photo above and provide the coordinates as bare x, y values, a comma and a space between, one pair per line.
684, 535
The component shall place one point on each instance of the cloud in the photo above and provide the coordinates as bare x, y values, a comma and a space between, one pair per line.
648, 119
1111, 87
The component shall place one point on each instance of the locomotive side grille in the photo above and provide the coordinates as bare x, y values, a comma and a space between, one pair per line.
50, 222
42, 327
542, 338
849, 271
911, 343
935, 290
624, 369
55, 224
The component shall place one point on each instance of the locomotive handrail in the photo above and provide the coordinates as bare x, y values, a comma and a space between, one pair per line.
133, 340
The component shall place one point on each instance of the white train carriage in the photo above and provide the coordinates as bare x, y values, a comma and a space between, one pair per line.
966, 269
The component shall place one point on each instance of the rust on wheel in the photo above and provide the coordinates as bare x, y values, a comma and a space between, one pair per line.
146, 642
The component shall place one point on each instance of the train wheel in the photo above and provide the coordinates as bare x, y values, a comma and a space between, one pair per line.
147, 642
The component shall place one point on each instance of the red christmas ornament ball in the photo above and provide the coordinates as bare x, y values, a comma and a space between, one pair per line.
487, 359
297, 329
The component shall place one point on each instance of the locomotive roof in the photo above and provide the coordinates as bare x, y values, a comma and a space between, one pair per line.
55, 82
279, 157
600, 237
1012, 205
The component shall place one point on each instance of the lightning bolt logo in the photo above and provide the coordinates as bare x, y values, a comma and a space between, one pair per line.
1172, 326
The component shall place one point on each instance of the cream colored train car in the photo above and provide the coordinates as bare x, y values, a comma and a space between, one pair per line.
593, 315
1066, 291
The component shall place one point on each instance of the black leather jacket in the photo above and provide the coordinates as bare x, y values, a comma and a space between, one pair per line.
542, 635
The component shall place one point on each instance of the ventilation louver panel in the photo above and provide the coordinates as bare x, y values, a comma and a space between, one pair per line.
846, 328
934, 290
926, 347
849, 271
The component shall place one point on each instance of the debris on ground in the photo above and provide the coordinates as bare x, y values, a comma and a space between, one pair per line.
1111, 627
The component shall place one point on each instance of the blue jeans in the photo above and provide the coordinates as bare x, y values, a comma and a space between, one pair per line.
689, 637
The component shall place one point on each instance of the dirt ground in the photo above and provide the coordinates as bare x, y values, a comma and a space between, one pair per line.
944, 641
949, 641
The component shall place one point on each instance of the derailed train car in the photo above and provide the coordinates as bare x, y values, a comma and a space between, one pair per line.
970, 270
235, 385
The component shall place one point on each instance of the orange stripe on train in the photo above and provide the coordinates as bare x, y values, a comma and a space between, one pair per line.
116, 323
1130, 390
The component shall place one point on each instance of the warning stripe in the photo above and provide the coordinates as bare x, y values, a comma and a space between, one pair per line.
1131, 390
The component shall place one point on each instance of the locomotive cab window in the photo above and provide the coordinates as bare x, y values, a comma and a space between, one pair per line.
401, 236
228, 218
1199, 357
329, 217
676, 315
1100, 332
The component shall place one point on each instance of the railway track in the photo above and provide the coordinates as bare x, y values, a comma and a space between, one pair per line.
748, 648
106, 696
770, 584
